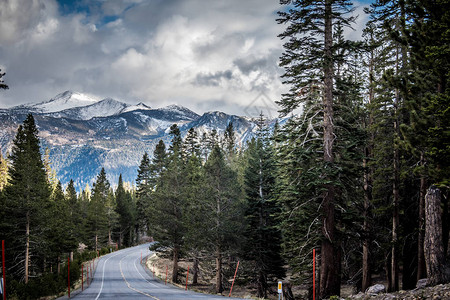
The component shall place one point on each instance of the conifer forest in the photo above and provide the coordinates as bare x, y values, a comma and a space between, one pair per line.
351, 174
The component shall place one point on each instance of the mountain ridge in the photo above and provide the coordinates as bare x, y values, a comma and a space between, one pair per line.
109, 133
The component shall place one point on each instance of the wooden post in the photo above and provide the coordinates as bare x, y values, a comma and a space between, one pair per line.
235, 272
82, 278
68, 275
314, 274
187, 276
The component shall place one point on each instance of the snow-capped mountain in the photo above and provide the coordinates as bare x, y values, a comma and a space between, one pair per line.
85, 134
139, 106
103, 108
63, 101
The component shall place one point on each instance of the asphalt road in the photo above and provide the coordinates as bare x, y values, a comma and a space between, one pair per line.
120, 275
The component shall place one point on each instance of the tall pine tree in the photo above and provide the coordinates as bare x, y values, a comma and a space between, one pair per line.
26, 198
262, 234
310, 59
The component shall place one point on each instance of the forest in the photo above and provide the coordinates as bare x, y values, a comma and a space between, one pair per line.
349, 176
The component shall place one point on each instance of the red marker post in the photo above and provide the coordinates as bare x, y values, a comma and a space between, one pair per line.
187, 276
235, 272
3, 268
314, 274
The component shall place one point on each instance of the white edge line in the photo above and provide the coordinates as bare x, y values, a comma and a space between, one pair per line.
103, 274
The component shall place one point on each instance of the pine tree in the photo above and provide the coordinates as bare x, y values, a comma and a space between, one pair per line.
221, 209
170, 201
229, 140
97, 213
75, 212
60, 229
143, 193
262, 234
26, 198
191, 144
3, 86
193, 216
123, 209
310, 60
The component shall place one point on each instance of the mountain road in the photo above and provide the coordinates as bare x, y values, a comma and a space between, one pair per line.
120, 275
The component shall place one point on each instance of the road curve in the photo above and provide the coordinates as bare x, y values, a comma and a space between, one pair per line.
120, 275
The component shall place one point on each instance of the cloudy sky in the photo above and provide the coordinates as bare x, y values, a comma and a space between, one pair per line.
203, 54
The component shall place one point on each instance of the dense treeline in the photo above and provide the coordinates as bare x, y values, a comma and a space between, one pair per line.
348, 176
372, 138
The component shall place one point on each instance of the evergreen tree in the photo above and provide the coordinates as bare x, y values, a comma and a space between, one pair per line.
26, 198
60, 229
3, 86
309, 60
222, 209
143, 193
169, 201
193, 217
123, 209
229, 140
262, 235
191, 144
97, 212
75, 212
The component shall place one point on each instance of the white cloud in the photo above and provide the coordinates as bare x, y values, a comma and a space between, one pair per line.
207, 55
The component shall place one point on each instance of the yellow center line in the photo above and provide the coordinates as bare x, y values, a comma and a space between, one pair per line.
129, 285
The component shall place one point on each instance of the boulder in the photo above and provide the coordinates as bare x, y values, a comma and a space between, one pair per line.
422, 283
376, 289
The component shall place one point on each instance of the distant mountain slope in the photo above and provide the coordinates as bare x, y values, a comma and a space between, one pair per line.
66, 100
85, 134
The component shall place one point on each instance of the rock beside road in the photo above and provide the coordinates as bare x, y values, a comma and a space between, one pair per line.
438, 292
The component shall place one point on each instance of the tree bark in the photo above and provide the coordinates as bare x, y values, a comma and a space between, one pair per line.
330, 258
394, 282
176, 253
195, 271
366, 268
421, 269
434, 247
27, 247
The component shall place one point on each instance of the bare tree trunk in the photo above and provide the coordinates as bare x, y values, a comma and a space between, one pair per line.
96, 243
330, 258
219, 287
27, 248
434, 247
421, 269
394, 283
58, 265
176, 253
366, 270
195, 271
